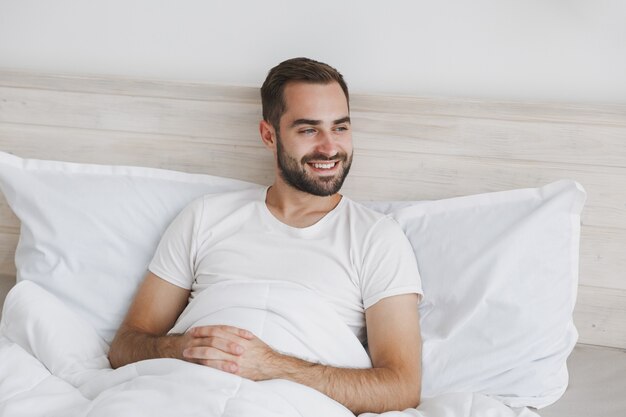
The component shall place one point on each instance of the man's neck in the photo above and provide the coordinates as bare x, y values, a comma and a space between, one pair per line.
297, 208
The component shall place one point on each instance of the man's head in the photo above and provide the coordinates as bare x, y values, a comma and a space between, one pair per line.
293, 70
307, 125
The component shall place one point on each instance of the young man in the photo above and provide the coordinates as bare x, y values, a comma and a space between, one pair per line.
299, 230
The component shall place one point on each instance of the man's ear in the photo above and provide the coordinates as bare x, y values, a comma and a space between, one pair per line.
268, 134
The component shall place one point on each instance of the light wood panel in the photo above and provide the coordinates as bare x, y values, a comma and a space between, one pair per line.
127, 86
6, 283
166, 116
412, 176
8, 242
573, 113
602, 257
189, 153
407, 149
481, 136
600, 316
527, 140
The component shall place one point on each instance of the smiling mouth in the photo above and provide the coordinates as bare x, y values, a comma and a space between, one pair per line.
323, 166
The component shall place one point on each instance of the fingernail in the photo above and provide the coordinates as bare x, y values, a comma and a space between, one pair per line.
239, 349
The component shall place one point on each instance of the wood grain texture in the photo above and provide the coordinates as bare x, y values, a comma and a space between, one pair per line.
6, 283
407, 148
412, 176
127, 86
600, 316
8, 242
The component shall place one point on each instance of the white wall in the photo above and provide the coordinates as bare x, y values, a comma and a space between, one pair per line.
556, 50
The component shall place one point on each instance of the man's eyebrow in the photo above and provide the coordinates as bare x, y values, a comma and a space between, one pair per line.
299, 122
342, 120
312, 122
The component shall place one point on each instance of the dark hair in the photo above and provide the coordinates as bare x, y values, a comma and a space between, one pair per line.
294, 70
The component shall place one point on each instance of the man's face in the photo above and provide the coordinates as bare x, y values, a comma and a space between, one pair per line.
314, 143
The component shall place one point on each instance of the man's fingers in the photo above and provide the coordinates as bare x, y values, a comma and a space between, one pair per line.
224, 345
230, 367
226, 366
201, 353
220, 331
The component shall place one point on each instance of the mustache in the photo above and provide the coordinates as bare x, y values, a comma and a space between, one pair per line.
341, 156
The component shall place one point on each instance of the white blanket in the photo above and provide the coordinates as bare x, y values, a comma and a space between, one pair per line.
52, 363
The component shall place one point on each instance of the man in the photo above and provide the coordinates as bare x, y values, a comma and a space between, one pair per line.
300, 230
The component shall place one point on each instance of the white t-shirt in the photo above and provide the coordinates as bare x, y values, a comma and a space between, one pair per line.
352, 257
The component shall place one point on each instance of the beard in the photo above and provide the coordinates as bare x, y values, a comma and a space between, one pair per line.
294, 173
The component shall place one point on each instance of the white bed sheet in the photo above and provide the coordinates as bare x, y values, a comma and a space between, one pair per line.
597, 386
53, 363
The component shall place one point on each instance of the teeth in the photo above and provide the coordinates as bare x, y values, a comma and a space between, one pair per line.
324, 166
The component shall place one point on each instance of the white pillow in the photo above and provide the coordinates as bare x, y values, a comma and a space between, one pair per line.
499, 270
46, 328
499, 273
89, 231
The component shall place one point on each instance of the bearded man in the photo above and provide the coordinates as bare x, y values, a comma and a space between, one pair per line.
298, 230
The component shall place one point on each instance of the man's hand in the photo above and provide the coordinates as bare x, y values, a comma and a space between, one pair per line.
393, 383
226, 348
154, 311
232, 350
393, 333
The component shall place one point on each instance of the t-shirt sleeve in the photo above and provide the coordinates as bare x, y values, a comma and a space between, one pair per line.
174, 258
389, 264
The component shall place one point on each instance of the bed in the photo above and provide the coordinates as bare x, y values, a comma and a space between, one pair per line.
559, 168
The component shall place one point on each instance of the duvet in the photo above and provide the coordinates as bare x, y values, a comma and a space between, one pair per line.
53, 363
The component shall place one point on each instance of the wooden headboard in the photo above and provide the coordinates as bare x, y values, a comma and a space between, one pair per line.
406, 148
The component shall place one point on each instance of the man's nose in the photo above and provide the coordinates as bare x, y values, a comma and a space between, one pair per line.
327, 144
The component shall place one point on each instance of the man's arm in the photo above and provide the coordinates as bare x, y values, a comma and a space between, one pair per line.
394, 338
153, 312
394, 382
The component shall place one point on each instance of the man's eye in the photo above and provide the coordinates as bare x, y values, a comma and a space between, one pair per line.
341, 128
308, 131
